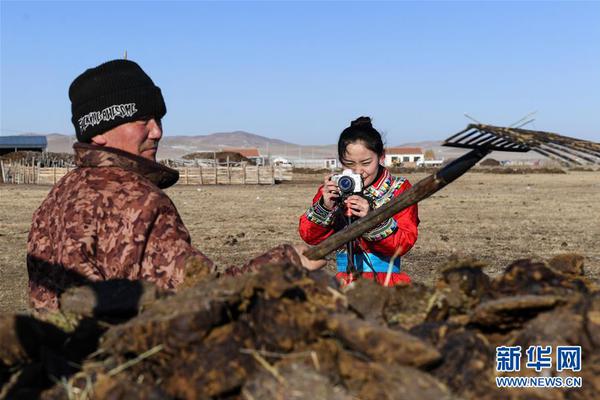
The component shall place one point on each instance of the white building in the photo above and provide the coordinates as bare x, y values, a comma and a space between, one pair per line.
251, 153
321, 163
400, 155
431, 163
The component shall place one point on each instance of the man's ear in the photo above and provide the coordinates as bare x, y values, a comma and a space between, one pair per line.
99, 140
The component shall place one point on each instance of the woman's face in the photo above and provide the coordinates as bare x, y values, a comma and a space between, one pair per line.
362, 161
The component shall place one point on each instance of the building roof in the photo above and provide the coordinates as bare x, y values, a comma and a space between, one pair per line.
403, 150
246, 152
23, 142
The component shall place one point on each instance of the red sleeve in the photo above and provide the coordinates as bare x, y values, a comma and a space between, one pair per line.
311, 232
406, 233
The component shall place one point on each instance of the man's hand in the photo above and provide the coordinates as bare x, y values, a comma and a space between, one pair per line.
310, 265
359, 206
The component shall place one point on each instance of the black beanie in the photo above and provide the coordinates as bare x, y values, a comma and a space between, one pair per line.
112, 94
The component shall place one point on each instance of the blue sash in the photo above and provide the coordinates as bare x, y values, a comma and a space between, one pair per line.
362, 260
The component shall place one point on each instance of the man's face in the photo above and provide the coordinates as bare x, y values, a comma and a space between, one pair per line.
138, 137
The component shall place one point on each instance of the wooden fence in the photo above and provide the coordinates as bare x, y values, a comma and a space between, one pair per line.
19, 173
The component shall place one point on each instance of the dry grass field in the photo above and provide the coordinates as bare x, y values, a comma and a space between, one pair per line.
494, 218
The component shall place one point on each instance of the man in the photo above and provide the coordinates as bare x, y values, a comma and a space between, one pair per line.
109, 218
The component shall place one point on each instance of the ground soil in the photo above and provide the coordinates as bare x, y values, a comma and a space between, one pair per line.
494, 218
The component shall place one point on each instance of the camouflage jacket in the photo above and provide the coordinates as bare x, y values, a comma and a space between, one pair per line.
107, 219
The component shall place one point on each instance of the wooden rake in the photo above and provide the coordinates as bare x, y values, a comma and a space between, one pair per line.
482, 139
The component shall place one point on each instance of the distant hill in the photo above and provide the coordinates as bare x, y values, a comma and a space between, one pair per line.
178, 146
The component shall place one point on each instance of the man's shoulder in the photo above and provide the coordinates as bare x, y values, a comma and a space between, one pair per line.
113, 184
113, 177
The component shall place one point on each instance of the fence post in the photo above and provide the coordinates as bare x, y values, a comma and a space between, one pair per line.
257, 174
216, 166
216, 172
187, 179
228, 172
244, 173
200, 170
54, 173
272, 174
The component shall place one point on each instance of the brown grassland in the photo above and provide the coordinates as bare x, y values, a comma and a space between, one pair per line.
494, 218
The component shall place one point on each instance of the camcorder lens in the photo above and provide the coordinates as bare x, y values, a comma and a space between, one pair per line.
346, 184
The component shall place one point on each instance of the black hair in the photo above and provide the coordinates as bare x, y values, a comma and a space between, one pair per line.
360, 130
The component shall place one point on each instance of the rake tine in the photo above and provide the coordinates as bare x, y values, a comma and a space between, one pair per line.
471, 118
499, 141
523, 119
569, 151
459, 133
478, 136
550, 156
533, 139
565, 141
525, 123
590, 152
582, 147
568, 143
558, 154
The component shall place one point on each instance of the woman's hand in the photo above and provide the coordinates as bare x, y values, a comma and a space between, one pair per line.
359, 206
330, 193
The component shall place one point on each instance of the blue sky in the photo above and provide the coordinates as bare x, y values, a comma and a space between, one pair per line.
300, 71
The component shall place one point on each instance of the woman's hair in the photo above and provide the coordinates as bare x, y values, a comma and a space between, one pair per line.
360, 130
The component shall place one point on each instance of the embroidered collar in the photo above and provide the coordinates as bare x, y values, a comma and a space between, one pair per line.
89, 155
381, 185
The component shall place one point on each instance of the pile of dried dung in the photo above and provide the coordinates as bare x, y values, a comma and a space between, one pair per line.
285, 333
220, 156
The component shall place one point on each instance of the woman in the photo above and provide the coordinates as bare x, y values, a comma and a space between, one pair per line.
360, 149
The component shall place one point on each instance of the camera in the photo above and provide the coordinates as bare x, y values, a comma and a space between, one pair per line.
348, 182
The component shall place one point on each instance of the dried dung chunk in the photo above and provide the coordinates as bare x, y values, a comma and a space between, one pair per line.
511, 312
283, 325
407, 305
402, 382
435, 332
37, 353
592, 319
561, 326
179, 321
368, 299
119, 388
192, 313
210, 369
365, 379
467, 277
462, 286
567, 264
380, 343
529, 277
203, 329
293, 381
467, 364
22, 338
590, 375
112, 298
